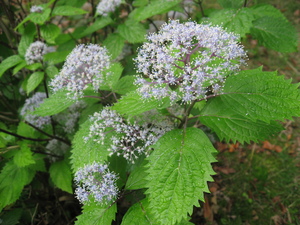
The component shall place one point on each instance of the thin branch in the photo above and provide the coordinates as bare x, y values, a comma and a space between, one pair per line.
22, 137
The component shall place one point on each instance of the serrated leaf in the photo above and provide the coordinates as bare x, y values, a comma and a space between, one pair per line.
136, 179
262, 10
27, 38
12, 181
34, 80
178, 171
139, 213
40, 18
9, 62
260, 95
275, 33
231, 3
12, 216
60, 174
56, 57
67, 10
23, 157
238, 21
87, 152
97, 25
49, 32
153, 8
51, 71
19, 66
132, 105
114, 43
132, 31
112, 76
56, 103
97, 215
124, 85
26, 130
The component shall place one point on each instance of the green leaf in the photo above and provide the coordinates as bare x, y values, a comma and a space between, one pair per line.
56, 103
132, 104
34, 66
132, 31
56, 57
87, 152
19, 66
23, 157
60, 173
179, 168
49, 32
26, 130
9, 62
275, 33
136, 179
67, 11
26, 38
34, 80
139, 213
231, 3
262, 10
40, 18
97, 25
238, 21
124, 85
114, 43
154, 8
112, 76
97, 215
12, 216
260, 95
51, 71
12, 181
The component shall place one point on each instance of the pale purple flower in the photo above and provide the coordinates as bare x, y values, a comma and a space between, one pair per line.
186, 61
106, 6
36, 52
36, 8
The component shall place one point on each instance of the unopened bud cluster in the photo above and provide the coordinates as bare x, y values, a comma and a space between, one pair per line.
106, 6
96, 182
30, 105
127, 139
36, 52
84, 66
186, 61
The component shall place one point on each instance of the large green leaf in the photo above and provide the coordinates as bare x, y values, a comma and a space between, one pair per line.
56, 103
67, 10
9, 62
125, 85
56, 57
60, 173
153, 8
132, 31
112, 76
94, 214
26, 38
114, 43
238, 21
262, 10
34, 80
275, 33
40, 18
24, 156
87, 152
231, 3
132, 104
178, 171
97, 25
49, 32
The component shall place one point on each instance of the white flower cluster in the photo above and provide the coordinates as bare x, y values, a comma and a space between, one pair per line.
69, 118
97, 181
126, 139
36, 8
30, 105
186, 61
84, 66
106, 6
36, 51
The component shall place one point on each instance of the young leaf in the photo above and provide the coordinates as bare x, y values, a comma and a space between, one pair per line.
154, 8
132, 31
67, 10
238, 21
114, 43
275, 33
132, 105
23, 157
9, 62
87, 152
56, 103
60, 173
34, 80
12, 181
51, 71
97, 215
178, 171
49, 32
260, 95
